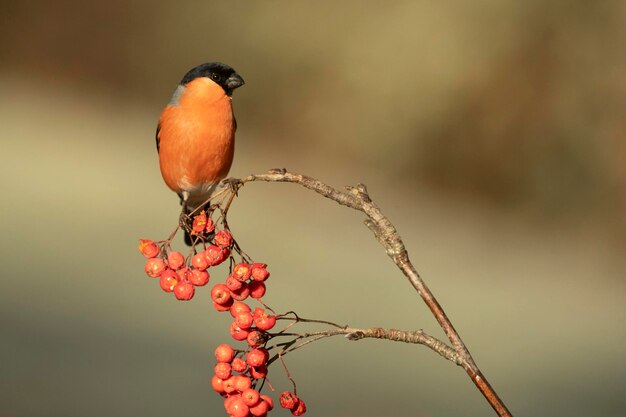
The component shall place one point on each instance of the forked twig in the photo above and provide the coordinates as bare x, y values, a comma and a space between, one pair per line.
358, 198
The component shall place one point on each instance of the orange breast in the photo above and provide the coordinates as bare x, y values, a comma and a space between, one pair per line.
197, 136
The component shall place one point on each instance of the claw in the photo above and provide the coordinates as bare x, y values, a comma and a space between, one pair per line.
233, 183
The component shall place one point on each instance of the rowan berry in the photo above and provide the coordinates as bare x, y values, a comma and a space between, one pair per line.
175, 260
255, 338
263, 320
237, 408
237, 332
223, 239
250, 396
148, 248
242, 271
199, 261
244, 320
269, 401
199, 223
242, 382
184, 291
168, 280
242, 293
257, 289
258, 372
259, 409
228, 400
217, 384
210, 225
288, 400
154, 267
223, 307
215, 255
299, 409
238, 307
222, 370
220, 294
257, 357
233, 283
239, 365
182, 273
198, 277
224, 353
259, 272
229, 385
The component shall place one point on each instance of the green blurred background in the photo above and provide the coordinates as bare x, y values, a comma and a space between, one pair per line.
491, 132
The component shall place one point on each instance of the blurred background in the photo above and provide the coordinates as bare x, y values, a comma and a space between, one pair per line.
492, 133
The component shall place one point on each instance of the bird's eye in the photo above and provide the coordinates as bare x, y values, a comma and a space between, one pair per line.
215, 77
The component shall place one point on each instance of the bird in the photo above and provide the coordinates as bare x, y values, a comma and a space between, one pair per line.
195, 136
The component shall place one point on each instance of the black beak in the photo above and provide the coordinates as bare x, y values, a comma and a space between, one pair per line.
234, 81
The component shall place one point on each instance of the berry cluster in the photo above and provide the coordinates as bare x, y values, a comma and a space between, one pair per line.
235, 379
178, 274
237, 373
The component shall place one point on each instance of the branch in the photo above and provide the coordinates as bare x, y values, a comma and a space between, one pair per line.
406, 336
417, 337
358, 198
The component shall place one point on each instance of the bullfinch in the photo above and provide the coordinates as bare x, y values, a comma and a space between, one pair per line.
195, 136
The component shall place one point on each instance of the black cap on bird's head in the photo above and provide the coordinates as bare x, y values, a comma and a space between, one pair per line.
221, 74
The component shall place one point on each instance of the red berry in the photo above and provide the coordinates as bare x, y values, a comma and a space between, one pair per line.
199, 223
288, 400
222, 370
250, 396
269, 401
299, 409
242, 383
257, 289
229, 399
258, 372
263, 320
244, 320
182, 273
257, 357
168, 280
242, 271
223, 239
224, 353
184, 291
259, 409
237, 332
229, 385
215, 255
237, 408
220, 294
198, 277
238, 307
148, 248
255, 338
199, 261
239, 365
242, 293
259, 272
217, 384
175, 260
222, 308
210, 226
233, 283
154, 267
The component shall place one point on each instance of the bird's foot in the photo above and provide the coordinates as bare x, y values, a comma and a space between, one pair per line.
234, 184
